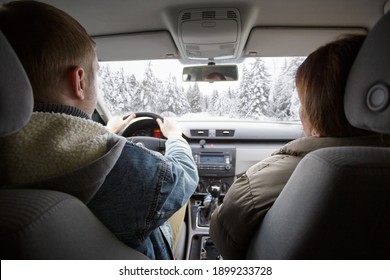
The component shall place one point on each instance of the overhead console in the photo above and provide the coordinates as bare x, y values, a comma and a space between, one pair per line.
211, 33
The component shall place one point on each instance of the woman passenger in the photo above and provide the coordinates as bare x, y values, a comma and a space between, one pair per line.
320, 81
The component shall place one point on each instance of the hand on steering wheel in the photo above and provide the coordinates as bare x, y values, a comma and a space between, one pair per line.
146, 114
150, 120
152, 143
117, 124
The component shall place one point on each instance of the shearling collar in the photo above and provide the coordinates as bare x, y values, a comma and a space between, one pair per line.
60, 108
52, 144
302, 146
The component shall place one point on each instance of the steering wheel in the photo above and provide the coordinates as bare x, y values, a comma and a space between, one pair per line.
152, 143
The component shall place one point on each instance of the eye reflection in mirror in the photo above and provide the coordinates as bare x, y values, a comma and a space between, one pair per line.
210, 73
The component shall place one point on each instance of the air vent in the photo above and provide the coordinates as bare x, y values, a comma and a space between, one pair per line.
208, 15
186, 16
200, 132
231, 14
224, 133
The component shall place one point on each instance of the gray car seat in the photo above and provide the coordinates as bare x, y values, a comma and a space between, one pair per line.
336, 204
37, 223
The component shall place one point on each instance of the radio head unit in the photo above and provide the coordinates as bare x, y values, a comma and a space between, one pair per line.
215, 162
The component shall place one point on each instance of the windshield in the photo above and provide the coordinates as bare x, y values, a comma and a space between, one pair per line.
265, 90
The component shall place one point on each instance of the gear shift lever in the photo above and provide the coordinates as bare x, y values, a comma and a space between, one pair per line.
214, 191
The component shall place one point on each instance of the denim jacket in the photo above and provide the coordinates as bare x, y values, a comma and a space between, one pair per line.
142, 191
131, 189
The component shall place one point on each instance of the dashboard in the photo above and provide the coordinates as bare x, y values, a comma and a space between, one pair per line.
222, 150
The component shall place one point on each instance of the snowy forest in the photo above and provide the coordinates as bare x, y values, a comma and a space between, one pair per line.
259, 95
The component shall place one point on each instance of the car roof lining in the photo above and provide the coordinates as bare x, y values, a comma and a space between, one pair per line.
140, 19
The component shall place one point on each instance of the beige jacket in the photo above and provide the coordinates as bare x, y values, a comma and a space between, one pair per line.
252, 195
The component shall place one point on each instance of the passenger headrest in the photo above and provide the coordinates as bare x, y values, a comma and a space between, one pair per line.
16, 98
367, 97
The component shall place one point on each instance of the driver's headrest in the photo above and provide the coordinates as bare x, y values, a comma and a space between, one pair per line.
16, 98
367, 97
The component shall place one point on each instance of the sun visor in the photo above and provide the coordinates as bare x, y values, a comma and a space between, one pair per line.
136, 46
209, 33
273, 41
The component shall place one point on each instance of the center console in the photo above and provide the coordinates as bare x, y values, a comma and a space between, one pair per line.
216, 168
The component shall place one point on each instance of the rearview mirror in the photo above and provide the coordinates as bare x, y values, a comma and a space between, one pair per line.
210, 73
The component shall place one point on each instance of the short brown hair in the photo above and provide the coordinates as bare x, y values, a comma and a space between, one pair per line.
47, 40
321, 81
215, 76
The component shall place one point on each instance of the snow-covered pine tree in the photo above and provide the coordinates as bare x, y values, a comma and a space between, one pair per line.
260, 89
255, 90
194, 98
111, 86
174, 99
244, 94
106, 85
149, 90
133, 101
285, 103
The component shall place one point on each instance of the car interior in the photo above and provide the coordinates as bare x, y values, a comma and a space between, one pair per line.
336, 204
